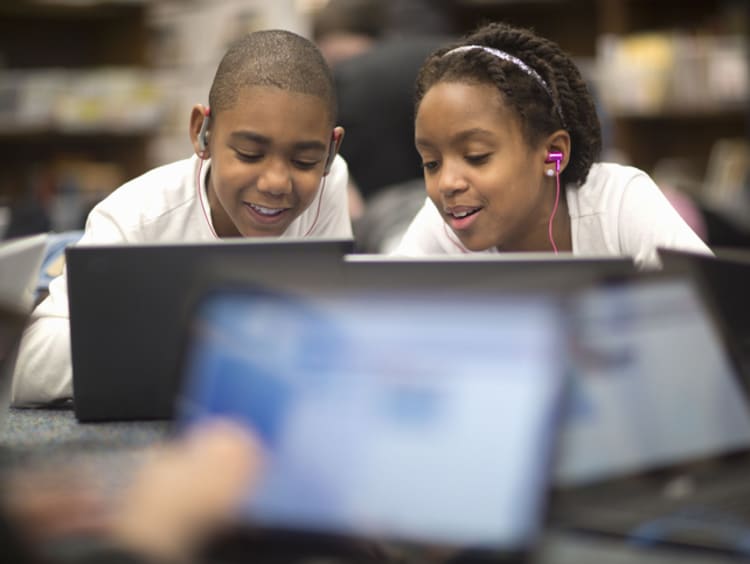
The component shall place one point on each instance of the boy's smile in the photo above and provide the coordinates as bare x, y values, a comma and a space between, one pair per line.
268, 153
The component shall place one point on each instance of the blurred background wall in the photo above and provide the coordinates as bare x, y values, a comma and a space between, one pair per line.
93, 92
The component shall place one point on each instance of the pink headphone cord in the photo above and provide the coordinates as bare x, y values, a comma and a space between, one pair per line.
554, 211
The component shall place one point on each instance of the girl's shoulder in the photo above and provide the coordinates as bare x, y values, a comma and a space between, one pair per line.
605, 187
611, 174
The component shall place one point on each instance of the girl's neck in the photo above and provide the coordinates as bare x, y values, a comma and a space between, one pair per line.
537, 238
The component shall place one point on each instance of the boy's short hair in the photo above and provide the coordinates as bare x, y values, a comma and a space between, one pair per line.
276, 58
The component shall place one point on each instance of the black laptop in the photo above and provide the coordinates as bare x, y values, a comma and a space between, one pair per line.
656, 443
506, 272
129, 305
725, 280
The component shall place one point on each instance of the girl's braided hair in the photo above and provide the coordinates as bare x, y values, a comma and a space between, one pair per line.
567, 105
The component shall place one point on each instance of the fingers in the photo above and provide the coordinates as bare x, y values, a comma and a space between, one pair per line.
188, 489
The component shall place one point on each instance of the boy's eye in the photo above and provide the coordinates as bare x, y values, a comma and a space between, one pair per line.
430, 165
305, 165
478, 159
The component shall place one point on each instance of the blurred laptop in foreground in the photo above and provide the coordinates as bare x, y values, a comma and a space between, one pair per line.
427, 420
656, 444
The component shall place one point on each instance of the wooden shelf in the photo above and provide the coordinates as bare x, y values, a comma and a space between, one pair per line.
570, 23
50, 35
39, 36
577, 25
649, 139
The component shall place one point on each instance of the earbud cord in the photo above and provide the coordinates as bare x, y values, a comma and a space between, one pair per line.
208, 220
452, 240
200, 198
317, 212
554, 211
549, 226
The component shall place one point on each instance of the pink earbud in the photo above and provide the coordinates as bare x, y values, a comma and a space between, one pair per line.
555, 157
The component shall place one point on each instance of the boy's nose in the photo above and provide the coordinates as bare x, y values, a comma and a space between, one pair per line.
275, 179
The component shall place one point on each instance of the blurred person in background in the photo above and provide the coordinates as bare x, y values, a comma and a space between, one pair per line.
375, 49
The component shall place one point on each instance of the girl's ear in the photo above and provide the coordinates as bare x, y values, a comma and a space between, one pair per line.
337, 137
558, 142
200, 118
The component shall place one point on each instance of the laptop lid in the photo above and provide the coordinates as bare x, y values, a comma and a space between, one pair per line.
523, 272
657, 430
408, 416
654, 385
724, 280
129, 306
20, 260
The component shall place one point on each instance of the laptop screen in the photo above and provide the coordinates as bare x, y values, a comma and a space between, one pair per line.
653, 387
21, 259
402, 416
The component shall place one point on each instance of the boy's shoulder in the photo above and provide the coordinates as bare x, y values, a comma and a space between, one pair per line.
154, 192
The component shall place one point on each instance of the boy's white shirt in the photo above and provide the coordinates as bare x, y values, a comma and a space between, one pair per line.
618, 211
160, 206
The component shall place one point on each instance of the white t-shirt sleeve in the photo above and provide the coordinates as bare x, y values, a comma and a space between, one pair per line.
43, 371
648, 221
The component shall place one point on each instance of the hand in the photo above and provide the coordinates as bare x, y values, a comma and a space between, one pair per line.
49, 504
187, 490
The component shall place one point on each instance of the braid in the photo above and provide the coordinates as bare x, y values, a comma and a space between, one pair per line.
565, 103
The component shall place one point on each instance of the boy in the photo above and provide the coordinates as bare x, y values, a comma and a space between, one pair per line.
266, 165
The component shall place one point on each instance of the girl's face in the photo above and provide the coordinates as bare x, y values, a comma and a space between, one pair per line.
482, 176
268, 154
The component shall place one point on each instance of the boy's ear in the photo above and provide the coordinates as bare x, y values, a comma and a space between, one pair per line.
337, 137
200, 118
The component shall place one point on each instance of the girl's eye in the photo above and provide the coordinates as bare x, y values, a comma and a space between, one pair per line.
248, 158
478, 159
430, 165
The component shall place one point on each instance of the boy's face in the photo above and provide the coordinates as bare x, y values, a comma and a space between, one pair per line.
479, 171
268, 155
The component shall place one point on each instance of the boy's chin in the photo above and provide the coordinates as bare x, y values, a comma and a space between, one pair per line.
265, 230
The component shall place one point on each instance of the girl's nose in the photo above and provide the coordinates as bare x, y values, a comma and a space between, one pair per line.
451, 180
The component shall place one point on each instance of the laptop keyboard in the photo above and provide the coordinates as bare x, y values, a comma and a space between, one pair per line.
710, 510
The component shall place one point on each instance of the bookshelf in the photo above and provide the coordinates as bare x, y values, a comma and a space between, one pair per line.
694, 108
78, 102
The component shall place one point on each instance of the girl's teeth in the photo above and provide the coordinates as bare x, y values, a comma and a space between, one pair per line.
266, 211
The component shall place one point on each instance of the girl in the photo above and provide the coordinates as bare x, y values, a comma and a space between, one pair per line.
508, 134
